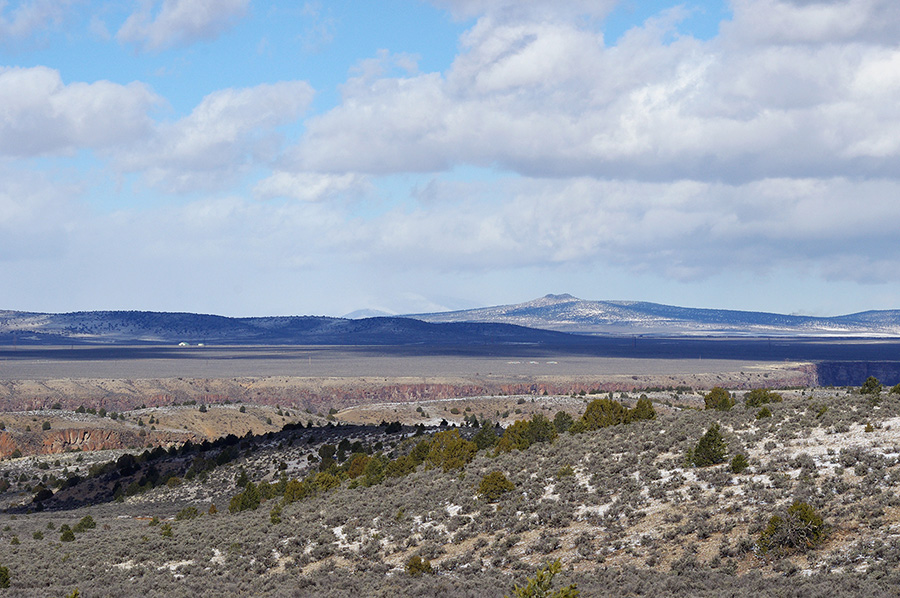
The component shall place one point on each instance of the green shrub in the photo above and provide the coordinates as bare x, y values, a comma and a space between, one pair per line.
601, 413
523, 433
448, 450
759, 396
66, 533
4, 577
719, 399
710, 450
799, 528
86, 523
871, 386
763, 413
416, 566
486, 436
187, 513
562, 421
642, 410
894, 390
539, 586
494, 485
248, 500
739, 463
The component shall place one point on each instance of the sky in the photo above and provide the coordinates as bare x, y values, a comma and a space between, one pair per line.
266, 157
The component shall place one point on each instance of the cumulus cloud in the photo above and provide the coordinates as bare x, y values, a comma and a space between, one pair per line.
26, 18
160, 25
814, 21
550, 98
685, 230
41, 115
228, 132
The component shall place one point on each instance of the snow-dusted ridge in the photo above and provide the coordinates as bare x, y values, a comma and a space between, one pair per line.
570, 314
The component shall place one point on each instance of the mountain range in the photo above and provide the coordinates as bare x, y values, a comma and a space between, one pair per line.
566, 313
552, 319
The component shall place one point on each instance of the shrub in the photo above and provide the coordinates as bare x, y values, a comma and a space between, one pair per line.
759, 396
45, 426
539, 585
562, 421
895, 389
871, 386
601, 413
86, 523
719, 399
416, 566
739, 463
763, 413
710, 449
800, 527
248, 500
66, 533
187, 513
486, 436
4, 577
642, 410
449, 451
494, 485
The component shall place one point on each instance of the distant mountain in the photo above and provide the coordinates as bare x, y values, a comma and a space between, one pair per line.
367, 313
566, 313
137, 327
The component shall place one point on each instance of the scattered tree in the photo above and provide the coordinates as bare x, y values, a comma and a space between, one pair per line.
416, 566
800, 527
739, 463
719, 399
494, 485
710, 450
540, 585
562, 421
759, 396
871, 386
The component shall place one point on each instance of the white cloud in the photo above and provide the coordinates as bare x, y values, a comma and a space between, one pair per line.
814, 21
230, 131
550, 98
29, 17
684, 229
311, 186
526, 9
39, 114
158, 25
36, 213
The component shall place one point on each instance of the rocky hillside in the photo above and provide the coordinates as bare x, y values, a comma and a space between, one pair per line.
375, 512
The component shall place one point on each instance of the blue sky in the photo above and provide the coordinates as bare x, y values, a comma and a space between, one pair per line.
258, 157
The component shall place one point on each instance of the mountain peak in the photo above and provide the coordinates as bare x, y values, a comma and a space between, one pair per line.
563, 297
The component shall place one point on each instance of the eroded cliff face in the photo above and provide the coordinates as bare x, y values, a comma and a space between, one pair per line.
318, 393
48, 442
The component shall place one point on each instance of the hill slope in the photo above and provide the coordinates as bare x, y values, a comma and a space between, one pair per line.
131, 327
571, 314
